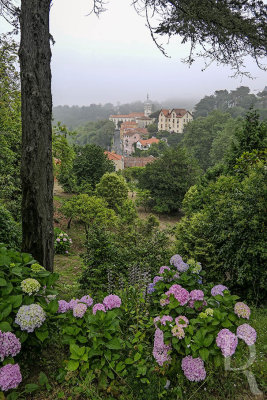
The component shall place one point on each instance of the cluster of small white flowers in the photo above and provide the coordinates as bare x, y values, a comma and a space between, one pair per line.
30, 317
30, 286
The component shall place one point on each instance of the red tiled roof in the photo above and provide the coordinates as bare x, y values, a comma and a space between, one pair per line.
145, 142
180, 112
113, 156
165, 112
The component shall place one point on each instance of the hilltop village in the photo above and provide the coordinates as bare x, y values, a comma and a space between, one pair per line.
132, 132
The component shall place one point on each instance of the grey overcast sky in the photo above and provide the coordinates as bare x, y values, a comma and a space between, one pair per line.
113, 59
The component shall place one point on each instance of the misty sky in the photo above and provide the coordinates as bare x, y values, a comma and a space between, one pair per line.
113, 58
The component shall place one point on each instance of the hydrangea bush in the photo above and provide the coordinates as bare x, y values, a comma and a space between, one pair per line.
196, 324
62, 242
26, 309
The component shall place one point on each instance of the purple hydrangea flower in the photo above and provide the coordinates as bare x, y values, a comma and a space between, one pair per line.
63, 306
58, 239
9, 345
112, 301
193, 368
157, 278
73, 303
10, 377
87, 300
227, 341
164, 268
160, 350
242, 310
247, 333
218, 289
151, 288
79, 310
178, 263
98, 307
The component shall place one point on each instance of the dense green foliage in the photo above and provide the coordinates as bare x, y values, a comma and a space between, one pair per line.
236, 102
90, 164
10, 127
113, 189
209, 138
168, 179
10, 230
225, 220
99, 133
122, 255
224, 32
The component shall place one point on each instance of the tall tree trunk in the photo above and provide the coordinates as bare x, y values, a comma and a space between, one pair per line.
36, 163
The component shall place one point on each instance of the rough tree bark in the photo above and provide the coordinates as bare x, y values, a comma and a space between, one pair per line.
36, 162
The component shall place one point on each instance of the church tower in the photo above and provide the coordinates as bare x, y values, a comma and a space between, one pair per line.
147, 107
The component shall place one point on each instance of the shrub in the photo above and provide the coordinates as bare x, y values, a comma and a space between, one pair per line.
196, 323
26, 310
10, 231
62, 242
224, 229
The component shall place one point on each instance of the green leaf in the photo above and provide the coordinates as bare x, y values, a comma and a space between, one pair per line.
15, 300
137, 356
43, 378
208, 340
217, 361
114, 344
42, 335
7, 310
5, 327
31, 387
72, 365
3, 282
4, 260
204, 354
129, 361
227, 324
53, 306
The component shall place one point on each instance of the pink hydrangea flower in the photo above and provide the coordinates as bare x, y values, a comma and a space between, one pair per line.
180, 294
98, 307
178, 331
227, 341
9, 345
10, 377
182, 321
160, 350
193, 368
242, 310
79, 310
87, 300
164, 268
164, 302
163, 319
218, 289
112, 301
196, 295
247, 333
63, 306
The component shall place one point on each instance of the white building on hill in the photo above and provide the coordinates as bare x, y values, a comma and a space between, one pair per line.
174, 120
